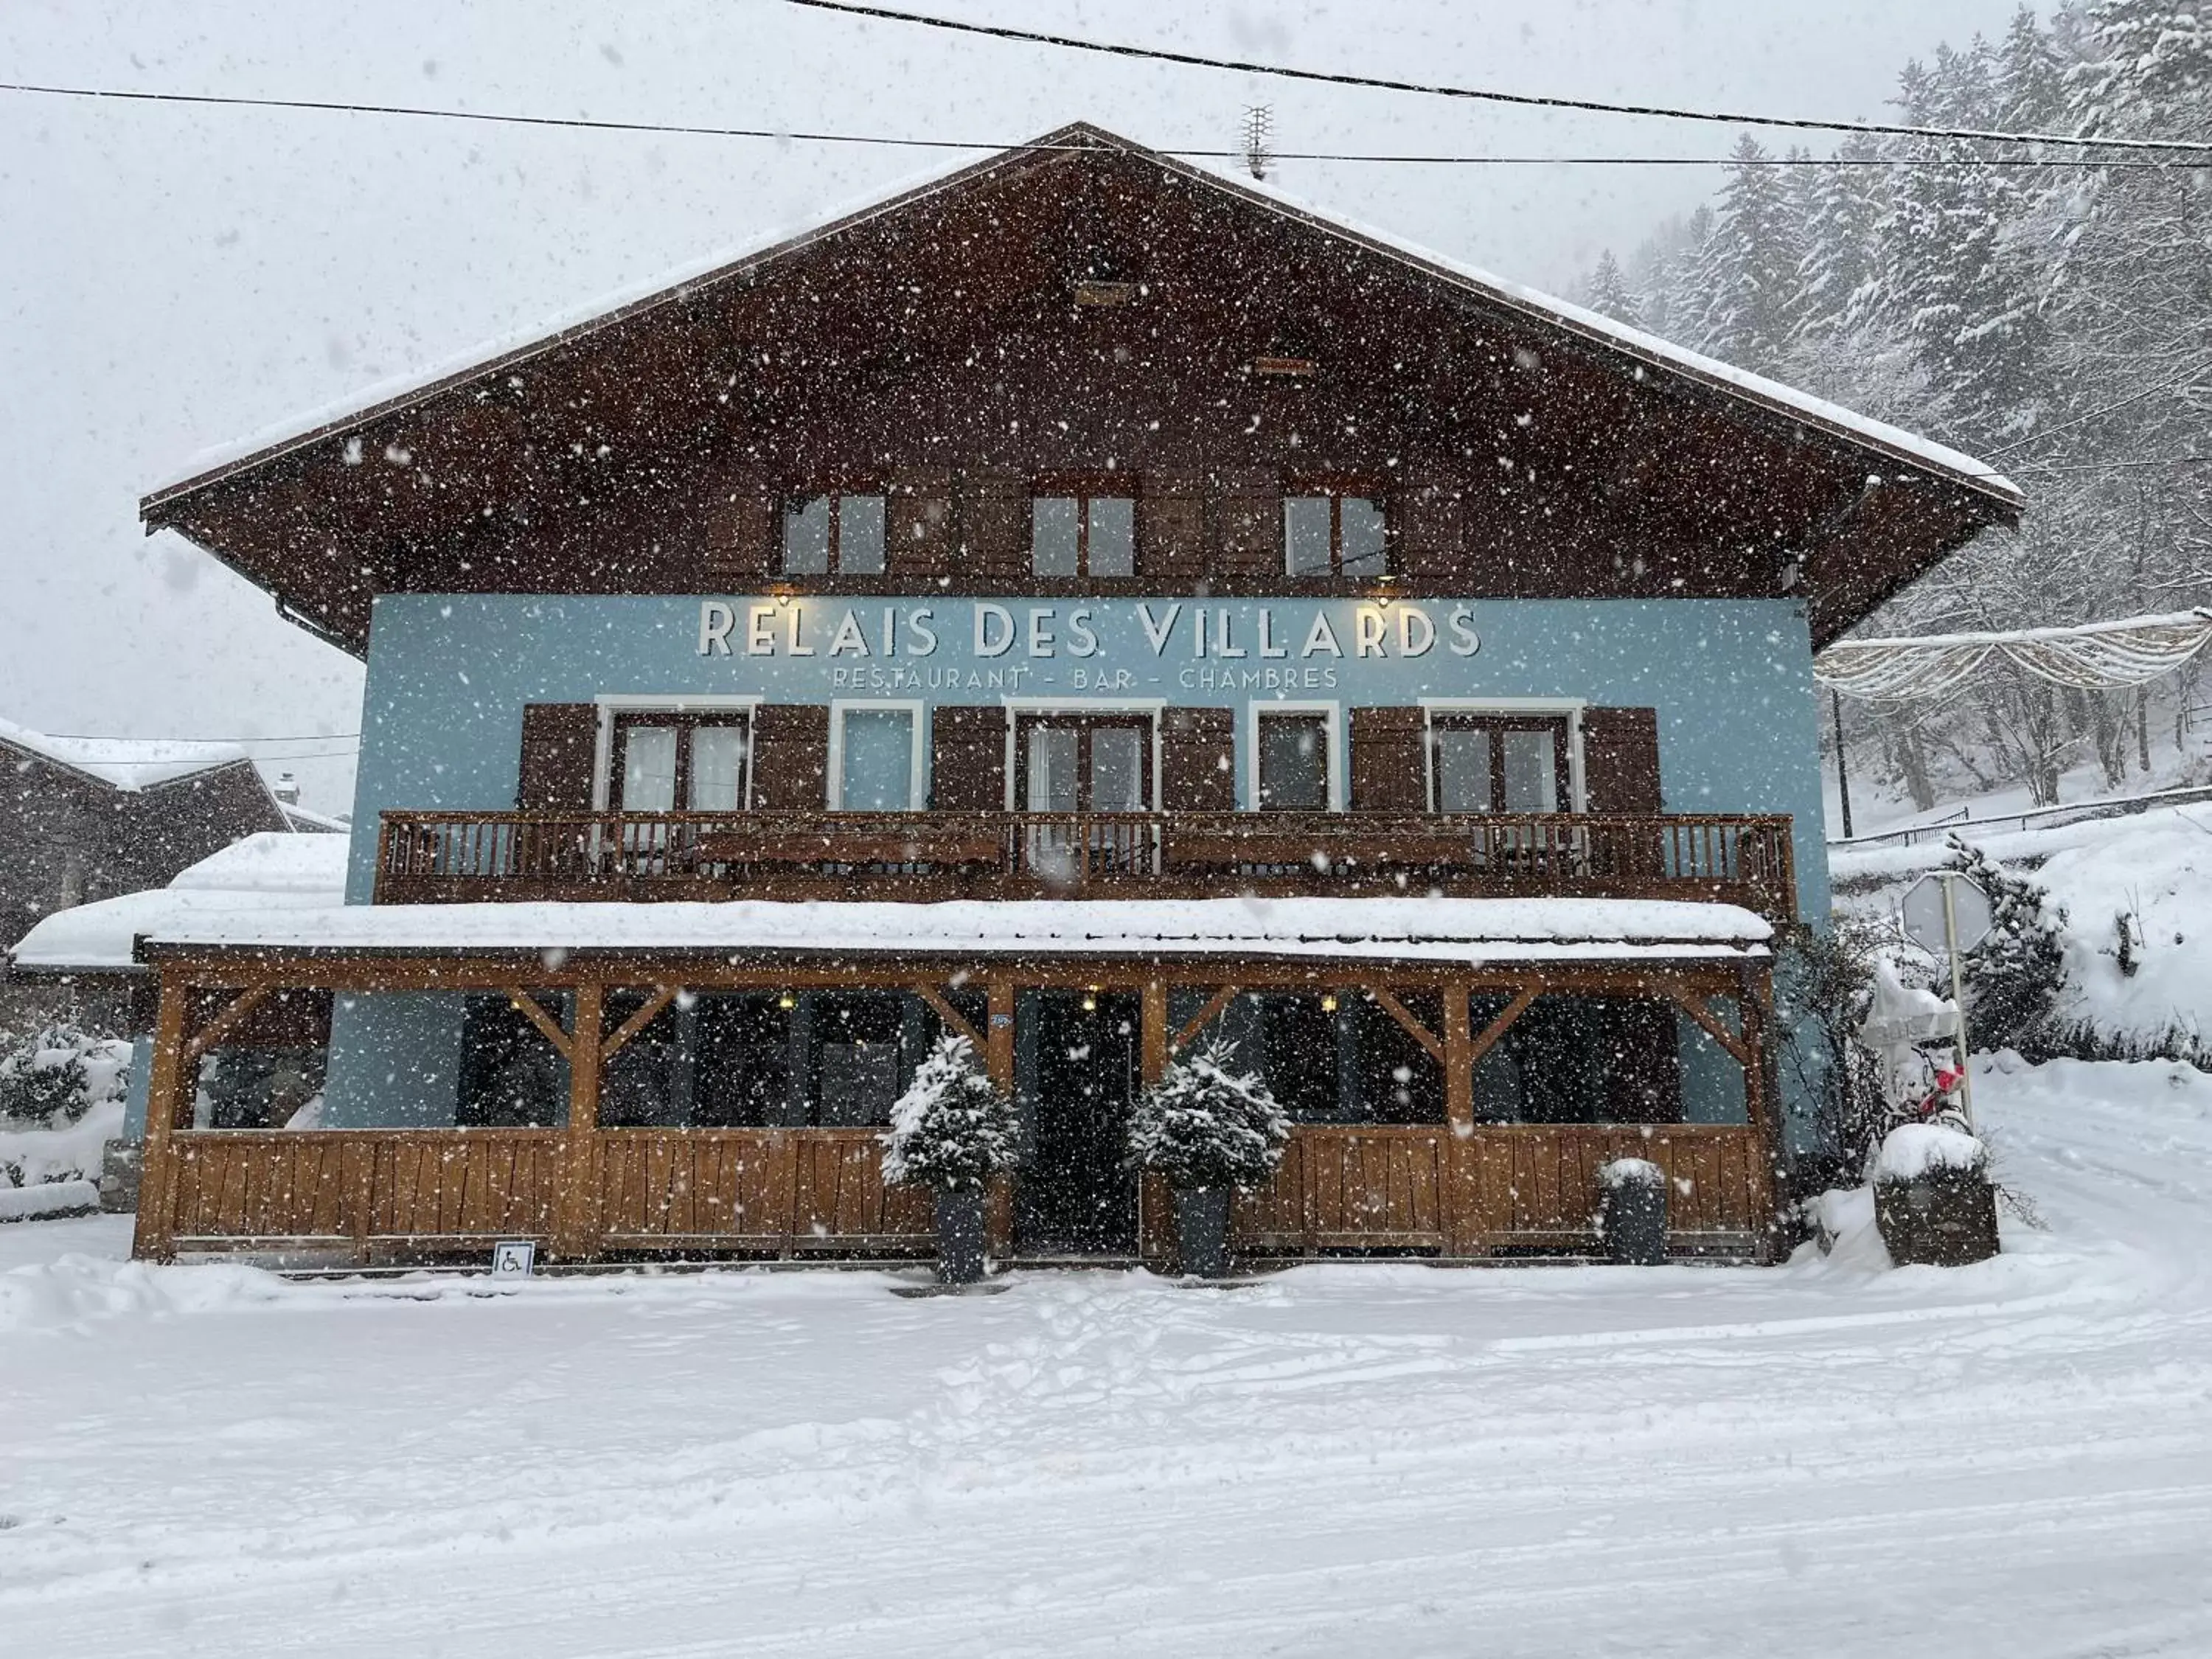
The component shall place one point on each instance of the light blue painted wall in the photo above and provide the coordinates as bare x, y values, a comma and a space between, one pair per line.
448, 676
395, 1060
1731, 679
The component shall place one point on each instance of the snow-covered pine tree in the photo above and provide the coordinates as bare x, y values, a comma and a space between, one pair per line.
1608, 293
1754, 261
43, 1080
1693, 296
1205, 1125
2013, 978
953, 1128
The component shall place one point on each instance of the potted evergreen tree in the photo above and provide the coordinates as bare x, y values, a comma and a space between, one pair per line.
1209, 1130
951, 1131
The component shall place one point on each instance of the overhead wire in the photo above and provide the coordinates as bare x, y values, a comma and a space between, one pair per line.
1483, 95
346, 107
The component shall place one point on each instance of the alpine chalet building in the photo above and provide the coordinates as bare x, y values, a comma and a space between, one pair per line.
1083, 603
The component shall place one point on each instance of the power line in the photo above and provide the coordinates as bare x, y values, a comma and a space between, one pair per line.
109, 737
497, 118
1529, 101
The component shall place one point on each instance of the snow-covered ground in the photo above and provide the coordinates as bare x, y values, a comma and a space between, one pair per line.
2014, 1459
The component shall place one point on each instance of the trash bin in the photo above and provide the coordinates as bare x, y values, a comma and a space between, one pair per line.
960, 1235
1632, 1211
1933, 1200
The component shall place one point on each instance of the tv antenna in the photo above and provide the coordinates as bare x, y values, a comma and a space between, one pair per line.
1259, 128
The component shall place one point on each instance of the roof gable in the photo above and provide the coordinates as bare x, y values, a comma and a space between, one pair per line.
674, 350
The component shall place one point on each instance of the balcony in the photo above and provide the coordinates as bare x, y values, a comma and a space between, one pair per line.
439, 858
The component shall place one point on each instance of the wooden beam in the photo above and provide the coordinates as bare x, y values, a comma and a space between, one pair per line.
213, 1032
155, 1234
661, 997
1419, 1032
528, 1005
576, 1213
1498, 1027
954, 1020
1206, 1017
1694, 1005
1759, 1106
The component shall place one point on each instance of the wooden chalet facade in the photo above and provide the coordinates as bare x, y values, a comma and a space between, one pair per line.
1082, 603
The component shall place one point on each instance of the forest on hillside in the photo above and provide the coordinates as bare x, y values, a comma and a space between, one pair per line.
2050, 313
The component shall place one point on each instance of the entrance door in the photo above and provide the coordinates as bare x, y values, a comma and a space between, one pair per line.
1077, 1196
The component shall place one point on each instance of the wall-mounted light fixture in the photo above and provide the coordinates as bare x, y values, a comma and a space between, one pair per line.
1285, 368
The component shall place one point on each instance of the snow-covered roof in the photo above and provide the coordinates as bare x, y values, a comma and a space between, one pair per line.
127, 764
1456, 930
210, 463
269, 870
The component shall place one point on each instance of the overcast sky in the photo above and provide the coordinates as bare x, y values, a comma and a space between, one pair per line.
173, 277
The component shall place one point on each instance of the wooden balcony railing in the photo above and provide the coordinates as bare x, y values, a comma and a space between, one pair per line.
455, 857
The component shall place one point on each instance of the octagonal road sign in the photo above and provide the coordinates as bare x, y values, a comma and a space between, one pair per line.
1922, 912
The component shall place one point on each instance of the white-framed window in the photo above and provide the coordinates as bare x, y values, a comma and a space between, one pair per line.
875, 756
673, 754
1102, 754
1502, 755
1294, 756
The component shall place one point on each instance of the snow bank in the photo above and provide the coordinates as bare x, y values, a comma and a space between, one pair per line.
72, 1151
1456, 930
1912, 1151
49, 1197
2157, 870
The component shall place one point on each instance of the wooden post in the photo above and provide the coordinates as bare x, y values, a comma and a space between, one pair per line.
1154, 1048
1462, 1168
999, 1035
1753, 989
155, 1234
576, 1226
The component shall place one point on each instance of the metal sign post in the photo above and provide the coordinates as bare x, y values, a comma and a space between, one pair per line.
1949, 907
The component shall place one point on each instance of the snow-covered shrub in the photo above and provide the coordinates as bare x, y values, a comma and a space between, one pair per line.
61, 1102
1823, 987
953, 1127
2014, 977
1913, 1151
46, 1077
1203, 1126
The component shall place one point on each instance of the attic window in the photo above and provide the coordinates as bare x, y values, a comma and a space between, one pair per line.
1099, 292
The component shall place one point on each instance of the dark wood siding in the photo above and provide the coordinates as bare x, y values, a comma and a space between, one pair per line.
791, 756
560, 740
1432, 529
1198, 760
1389, 772
968, 758
1620, 759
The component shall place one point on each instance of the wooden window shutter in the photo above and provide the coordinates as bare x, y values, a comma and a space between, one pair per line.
741, 528
1248, 517
1171, 526
994, 527
560, 741
1198, 760
1389, 772
919, 524
791, 756
1620, 759
968, 758
1432, 529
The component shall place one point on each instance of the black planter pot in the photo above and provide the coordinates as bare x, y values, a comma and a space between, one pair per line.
1945, 1218
1632, 1220
1201, 1215
960, 1235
